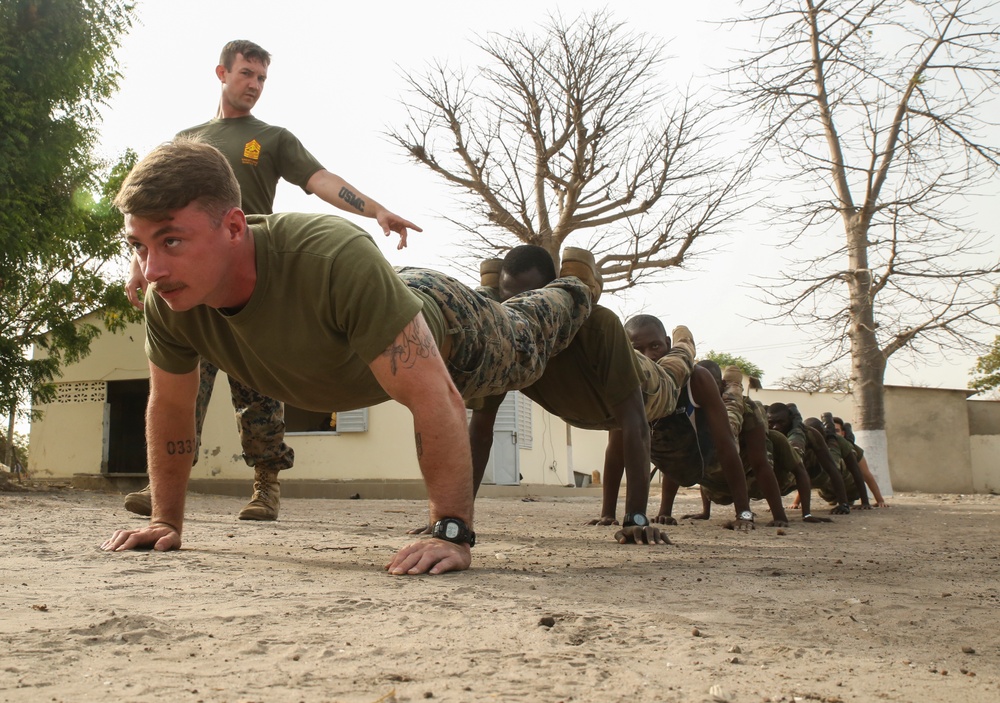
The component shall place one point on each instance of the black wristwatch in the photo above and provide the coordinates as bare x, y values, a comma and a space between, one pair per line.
635, 520
452, 529
745, 515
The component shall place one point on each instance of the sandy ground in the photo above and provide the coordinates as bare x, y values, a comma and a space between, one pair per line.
897, 605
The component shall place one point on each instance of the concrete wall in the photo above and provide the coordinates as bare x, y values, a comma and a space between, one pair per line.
984, 443
927, 431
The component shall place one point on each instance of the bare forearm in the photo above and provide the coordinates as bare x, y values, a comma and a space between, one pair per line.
341, 194
445, 458
481, 443
171, 443
635, 442
769, 484
614, 469
859, 480
732, 468
870, 481
804, 486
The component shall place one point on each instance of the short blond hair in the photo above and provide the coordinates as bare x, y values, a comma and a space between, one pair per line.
176, 174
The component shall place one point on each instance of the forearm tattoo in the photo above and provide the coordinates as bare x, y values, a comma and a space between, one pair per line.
351, 199
420, 444
181, 446
413, 344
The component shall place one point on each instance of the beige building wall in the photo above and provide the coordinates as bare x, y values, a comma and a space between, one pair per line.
70, 437
984, 443
927, 431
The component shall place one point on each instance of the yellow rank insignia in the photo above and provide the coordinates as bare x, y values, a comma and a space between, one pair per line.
251, 152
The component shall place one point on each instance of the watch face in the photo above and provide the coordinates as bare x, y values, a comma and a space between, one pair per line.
451, 530
745, 515
637, 519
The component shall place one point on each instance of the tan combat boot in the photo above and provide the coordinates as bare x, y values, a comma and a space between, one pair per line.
581, 264
733, 377
266, 497
140, 502
489, 273
682, 337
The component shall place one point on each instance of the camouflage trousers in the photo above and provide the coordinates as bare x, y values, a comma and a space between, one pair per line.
259, 419
497, 347
662, 380
824, 486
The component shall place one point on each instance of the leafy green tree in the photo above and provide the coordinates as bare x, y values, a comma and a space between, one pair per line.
60, 239
987, 371
747, 367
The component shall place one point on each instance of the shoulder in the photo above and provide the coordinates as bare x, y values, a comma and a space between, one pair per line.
308, 232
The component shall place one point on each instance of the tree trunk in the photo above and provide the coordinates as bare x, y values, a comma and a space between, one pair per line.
867, 360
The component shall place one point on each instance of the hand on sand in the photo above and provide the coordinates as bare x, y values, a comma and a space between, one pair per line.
664, 520
603, 520
777, 523
159, 536
422, 530
740, 525
695, 516
842, 509
430, 556
633, 534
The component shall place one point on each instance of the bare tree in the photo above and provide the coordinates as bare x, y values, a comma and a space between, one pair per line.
876, 109
566, 133
817, 379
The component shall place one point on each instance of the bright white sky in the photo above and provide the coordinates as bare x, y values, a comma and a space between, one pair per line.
335, 81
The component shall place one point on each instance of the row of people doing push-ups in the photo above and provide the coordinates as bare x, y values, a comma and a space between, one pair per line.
221, 287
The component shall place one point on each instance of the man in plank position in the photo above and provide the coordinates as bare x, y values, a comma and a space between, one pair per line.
344, 330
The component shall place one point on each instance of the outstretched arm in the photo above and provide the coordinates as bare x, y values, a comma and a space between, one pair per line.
412, 372
705, 392
339, 193
171, 444
756, 444
481, 442
859, 479
818, 444
872, 483
630, 415
614, 469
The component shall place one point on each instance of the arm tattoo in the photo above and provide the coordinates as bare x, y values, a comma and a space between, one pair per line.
413, 344
351, 199
420, 444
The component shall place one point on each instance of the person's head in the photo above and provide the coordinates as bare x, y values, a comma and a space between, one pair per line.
779, 417
182, 216
526, 267
716, 371
815, 423
242, 71
177, 174
838, 424
247, 49
648, 336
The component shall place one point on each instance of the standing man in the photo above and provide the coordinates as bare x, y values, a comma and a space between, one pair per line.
260, 155
306, 308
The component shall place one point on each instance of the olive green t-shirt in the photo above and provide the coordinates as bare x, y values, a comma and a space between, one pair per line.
596, 372
260, 155
325, 304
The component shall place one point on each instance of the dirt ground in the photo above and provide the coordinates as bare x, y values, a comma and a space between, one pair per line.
900, 604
